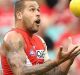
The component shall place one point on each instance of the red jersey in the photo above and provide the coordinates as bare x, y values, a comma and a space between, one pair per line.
34, 49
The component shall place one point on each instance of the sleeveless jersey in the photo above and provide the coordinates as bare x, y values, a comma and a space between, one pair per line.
34, 49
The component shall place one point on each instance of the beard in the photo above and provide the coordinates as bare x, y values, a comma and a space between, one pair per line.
32, 31
30, 27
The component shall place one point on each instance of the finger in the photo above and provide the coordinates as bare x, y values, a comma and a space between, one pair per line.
77, 50
69, 41
74, 49
60, 52
75, 55
67, 44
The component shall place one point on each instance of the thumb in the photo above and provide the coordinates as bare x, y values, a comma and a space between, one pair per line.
60, 52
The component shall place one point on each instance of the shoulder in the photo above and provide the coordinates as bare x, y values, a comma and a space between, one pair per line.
13, 41
12, 36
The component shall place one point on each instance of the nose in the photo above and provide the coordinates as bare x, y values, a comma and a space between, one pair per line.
38, 14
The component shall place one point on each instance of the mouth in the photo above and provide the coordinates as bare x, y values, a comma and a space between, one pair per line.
38, 21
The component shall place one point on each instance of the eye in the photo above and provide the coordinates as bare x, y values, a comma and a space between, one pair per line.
32, 9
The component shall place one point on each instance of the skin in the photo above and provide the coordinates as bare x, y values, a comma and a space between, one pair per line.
30, 14
13, 46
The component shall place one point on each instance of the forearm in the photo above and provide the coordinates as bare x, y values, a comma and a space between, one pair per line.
56, 71
19, 67
66, 66
45, 67
39, 69
62, 69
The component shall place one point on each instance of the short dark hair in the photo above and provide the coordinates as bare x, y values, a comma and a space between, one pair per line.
20, 5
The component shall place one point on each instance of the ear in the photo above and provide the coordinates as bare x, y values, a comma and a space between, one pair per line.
19, 15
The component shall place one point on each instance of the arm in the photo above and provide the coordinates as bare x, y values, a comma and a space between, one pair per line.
59, 70
67, 64
63, 68
14, 46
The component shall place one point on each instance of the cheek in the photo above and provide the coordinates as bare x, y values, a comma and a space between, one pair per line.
29, 16
26, 19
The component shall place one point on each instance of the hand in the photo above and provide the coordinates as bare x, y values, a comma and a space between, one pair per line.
68, 52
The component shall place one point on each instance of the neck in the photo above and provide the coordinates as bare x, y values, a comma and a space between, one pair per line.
21, 26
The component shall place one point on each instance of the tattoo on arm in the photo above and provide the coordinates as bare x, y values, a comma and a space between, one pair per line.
23, 69
18, 64
17, 60
56, 71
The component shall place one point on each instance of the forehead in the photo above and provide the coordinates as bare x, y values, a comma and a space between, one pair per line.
31, 4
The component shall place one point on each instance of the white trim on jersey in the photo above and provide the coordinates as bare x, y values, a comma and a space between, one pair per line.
46, 56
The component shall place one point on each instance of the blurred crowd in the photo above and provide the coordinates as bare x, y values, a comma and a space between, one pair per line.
57, 24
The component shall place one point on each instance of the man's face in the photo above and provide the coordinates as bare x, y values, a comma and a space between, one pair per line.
31, 16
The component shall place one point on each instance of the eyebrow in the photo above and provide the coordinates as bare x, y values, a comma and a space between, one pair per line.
34, 6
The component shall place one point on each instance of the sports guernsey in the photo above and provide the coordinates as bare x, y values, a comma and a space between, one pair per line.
35, 50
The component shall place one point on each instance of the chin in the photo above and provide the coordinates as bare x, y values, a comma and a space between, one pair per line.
34, 31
